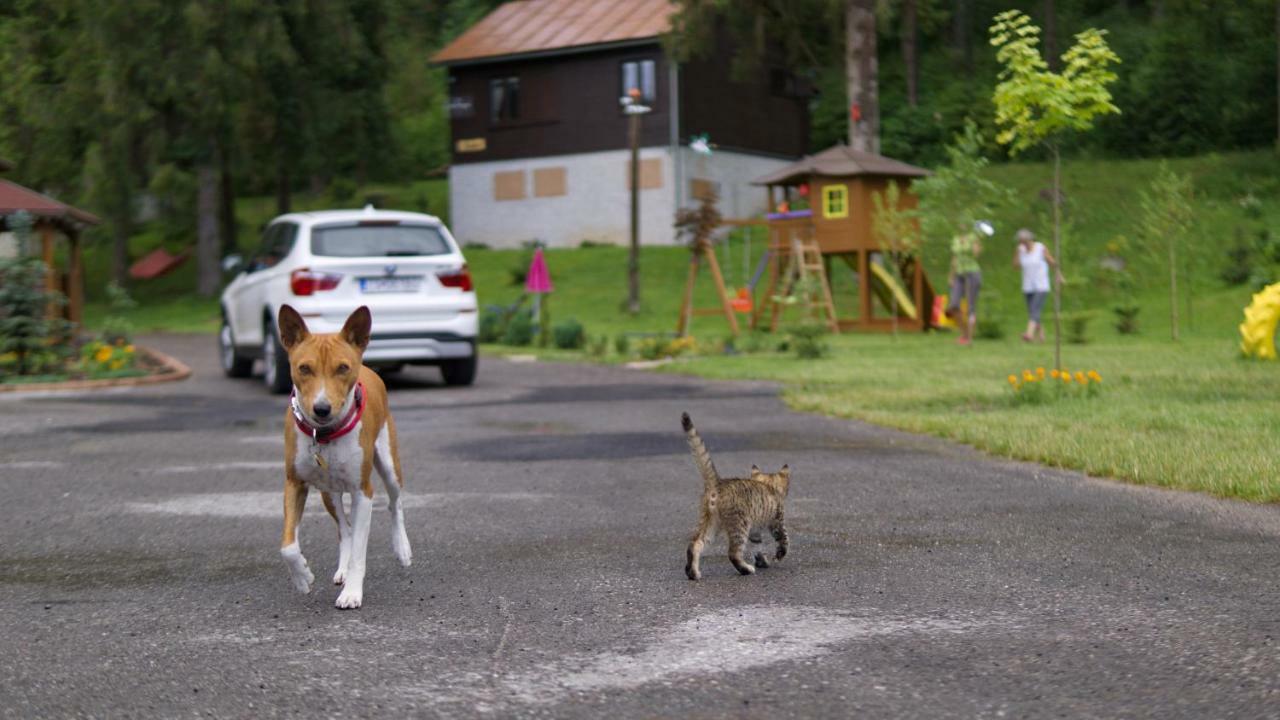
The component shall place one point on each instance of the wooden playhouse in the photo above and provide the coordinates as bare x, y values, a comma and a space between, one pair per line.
838, 184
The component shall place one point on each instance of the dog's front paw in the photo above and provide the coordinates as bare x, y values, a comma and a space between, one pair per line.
692, 573
400, 548
349, 599
340, 577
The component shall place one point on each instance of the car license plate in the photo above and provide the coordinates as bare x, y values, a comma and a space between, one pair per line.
390, 284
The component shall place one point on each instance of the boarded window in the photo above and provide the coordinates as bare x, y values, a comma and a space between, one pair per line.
700, 189
550, 182
835, 201
650, 174
508, 185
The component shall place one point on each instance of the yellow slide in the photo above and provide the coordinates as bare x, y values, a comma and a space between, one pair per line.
1258, 331
889, 285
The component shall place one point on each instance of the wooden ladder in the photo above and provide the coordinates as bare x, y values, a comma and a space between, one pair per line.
806, 264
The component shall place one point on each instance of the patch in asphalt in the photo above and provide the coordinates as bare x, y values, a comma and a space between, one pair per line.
267, 504
31, 464
214, 467
552, 444
719, 642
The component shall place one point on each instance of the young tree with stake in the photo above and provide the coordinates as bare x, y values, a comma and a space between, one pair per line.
1036, 106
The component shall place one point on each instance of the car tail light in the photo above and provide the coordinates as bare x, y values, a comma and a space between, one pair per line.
456, 279
307, 282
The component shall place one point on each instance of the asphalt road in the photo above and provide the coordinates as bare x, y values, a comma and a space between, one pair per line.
548, 509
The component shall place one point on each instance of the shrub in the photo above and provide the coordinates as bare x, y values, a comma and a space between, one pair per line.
599, 347
1239, 265
754, 342
569, 335
989, 329
622, 345
809, 340
1126, 319
491, 325
519, 331
1077, 326
117, 330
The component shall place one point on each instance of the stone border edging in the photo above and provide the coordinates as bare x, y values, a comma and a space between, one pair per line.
173, 370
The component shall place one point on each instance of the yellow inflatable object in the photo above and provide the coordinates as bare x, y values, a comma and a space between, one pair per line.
1258, 331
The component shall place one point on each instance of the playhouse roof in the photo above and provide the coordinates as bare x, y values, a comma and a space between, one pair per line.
838, 161
546, 27
14, 197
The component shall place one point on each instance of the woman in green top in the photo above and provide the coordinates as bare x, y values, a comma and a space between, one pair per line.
966, 277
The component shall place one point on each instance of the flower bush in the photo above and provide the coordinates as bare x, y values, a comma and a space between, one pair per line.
98, 358
1039, 385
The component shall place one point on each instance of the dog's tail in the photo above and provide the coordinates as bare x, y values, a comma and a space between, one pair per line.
702, 458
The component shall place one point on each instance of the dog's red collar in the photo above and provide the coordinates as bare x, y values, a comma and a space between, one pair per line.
322, 435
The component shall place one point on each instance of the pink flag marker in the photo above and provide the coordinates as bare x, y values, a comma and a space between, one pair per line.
538, 279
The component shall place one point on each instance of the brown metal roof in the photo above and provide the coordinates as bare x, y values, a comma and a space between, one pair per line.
840, 160
14, 197
531, 27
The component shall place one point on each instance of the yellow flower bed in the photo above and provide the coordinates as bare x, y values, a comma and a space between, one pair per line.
1031, 386
99, 358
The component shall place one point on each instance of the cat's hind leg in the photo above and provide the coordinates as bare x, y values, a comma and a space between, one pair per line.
693, 555
779, 531
737, 534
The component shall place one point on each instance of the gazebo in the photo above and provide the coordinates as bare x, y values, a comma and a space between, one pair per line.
50, 219
839, 183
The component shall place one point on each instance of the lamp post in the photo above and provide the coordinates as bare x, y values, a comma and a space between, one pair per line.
633, 108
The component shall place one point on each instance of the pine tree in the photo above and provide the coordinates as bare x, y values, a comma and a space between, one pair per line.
26, 330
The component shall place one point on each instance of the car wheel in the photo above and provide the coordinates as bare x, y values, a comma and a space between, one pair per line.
233, 365
275, 362
459, 372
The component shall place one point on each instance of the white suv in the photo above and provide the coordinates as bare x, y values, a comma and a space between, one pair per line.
405, 266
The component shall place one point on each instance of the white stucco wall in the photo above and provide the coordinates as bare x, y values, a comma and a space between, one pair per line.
596, 206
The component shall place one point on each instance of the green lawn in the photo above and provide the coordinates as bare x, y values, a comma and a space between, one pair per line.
1189, 414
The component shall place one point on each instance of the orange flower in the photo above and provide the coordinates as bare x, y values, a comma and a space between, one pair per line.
1094, 376
1054, 373
1066, 377
1027, 376
1081, 379
1040, 373
1013, 380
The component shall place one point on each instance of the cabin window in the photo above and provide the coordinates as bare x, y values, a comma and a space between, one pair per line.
504, 99
640, 74
835, 201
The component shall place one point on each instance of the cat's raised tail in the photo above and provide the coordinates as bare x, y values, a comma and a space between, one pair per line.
702, 458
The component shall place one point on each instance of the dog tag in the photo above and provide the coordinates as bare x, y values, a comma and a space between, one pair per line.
324, 464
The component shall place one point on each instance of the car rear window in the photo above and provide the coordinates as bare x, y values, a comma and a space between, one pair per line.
374, 240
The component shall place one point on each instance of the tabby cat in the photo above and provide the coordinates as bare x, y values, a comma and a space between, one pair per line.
736, 506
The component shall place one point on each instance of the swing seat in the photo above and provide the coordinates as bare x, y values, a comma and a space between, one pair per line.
742, 303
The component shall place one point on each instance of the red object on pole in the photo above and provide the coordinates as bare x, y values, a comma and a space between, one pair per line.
855, 112
538, 279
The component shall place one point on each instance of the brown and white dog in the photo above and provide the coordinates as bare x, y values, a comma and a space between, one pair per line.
337, 431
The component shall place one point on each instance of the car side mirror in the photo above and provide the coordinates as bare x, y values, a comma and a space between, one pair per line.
232, 263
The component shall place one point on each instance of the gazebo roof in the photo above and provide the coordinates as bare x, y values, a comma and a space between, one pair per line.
840, 161
14, 197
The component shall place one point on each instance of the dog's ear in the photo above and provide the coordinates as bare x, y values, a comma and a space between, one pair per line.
356, 329
293, 329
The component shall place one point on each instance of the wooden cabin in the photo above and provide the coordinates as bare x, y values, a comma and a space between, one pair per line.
540, 140
838, 184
